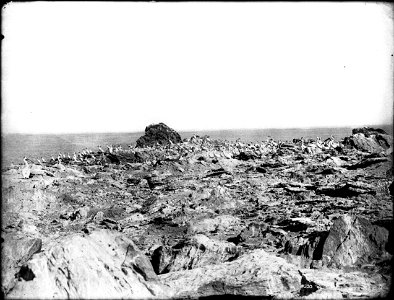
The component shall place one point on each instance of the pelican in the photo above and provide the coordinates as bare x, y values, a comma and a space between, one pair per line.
319, 142
59, 164
26, 169
110, 149
43, 160
333, 143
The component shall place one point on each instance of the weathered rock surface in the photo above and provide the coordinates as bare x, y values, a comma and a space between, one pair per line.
278, 220
103, 264
262, 274
257, 273
370, 140
160, 134
354, 241
367, 131
195, 252
15, 252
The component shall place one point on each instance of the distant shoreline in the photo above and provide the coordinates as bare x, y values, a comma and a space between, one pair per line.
387, 127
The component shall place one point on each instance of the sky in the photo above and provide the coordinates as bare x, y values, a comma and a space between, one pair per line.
72, 67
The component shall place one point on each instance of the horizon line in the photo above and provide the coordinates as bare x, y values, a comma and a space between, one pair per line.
198, 130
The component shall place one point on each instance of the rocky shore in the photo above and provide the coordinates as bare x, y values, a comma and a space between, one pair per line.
173, 218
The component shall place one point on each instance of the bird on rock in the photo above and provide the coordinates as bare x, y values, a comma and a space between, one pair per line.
26, 170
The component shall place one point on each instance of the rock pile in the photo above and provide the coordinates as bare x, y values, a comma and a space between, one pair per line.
158, 134
202, 217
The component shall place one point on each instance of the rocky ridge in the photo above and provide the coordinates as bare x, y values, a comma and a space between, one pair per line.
202, 217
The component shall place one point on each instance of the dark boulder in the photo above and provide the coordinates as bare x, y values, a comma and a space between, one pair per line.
367, 131
136, 157
245, 156
158, 134
346, 190
113, 159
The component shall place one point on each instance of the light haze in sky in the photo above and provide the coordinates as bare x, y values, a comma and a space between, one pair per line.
117, 67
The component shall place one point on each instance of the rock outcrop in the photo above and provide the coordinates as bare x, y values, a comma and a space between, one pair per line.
367, 131
158, 134
354, 241
15, 252
99, 265
370, 140
259, 273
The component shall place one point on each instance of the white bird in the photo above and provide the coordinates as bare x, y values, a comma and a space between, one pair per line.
110, 149
319, 142
26, 169
59, 164
43, 160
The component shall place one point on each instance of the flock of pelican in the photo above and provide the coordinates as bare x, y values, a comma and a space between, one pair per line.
194, 144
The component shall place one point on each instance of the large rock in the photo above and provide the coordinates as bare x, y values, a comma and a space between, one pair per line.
103, 264
369, 140
201, 250
15, 252
259, 273
367, 131
255, 274
354, 241
158, 133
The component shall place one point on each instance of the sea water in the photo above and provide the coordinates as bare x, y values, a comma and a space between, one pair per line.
16, 146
